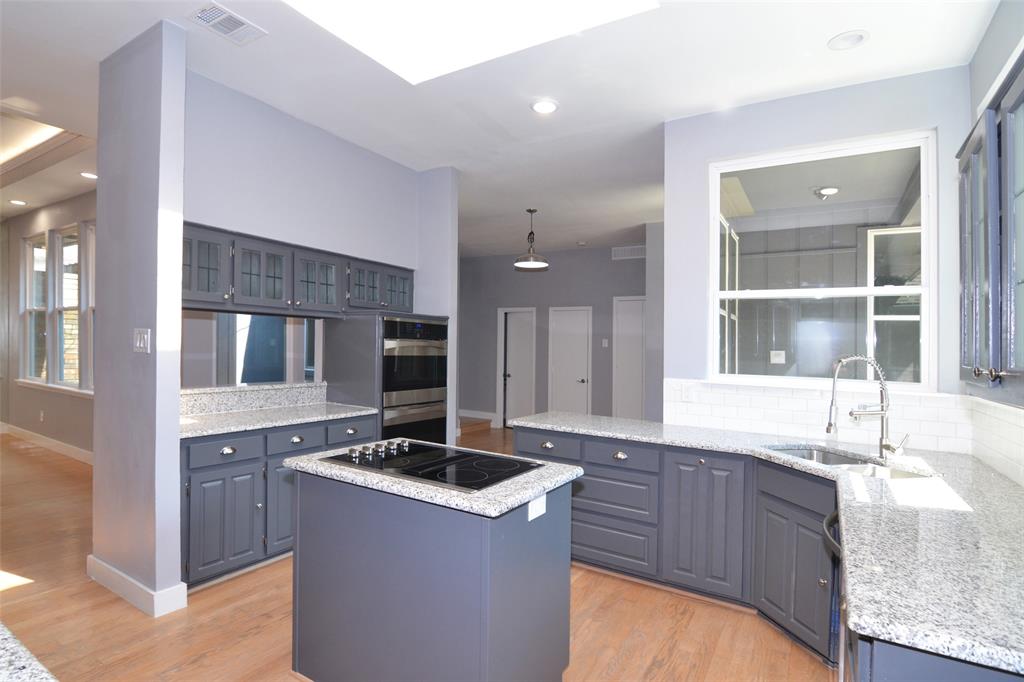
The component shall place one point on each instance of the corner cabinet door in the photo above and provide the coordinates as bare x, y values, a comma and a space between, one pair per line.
397, 290
318, 282
205, 266
263, 274
365, 285
280, 506
226, 519
703, 521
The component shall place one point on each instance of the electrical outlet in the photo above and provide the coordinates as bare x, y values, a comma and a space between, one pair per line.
604, 343
140, 340
777, 357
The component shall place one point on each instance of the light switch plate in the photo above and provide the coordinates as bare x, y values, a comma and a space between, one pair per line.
537, 507
604, 343
777, 357
140, 340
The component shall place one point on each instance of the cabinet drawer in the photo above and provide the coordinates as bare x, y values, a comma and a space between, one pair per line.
626, 494
795, 487
225, 451
547, 444
364, 428
622, 454
615, 543
293, 439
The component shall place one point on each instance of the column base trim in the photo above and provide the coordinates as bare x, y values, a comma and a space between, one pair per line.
152, 603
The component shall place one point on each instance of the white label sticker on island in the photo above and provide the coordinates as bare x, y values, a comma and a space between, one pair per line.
537, 507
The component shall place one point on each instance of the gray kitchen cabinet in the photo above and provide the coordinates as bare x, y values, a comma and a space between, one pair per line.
793, 574
875, 660
317, 282
397, 290
226, 519
205, 266
280, 506
262, 274
380, 287
618, 544
702, 520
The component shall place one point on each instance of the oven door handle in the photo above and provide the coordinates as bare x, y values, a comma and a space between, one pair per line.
404, 414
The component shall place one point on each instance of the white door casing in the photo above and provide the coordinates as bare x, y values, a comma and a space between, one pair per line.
522, 363
628, 351
569, 359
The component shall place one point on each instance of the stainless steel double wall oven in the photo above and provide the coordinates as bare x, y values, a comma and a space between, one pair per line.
415, 378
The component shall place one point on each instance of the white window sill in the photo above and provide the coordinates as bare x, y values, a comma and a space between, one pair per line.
55, 388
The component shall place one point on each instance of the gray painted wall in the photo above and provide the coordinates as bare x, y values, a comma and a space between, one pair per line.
584, 277
1004, 34
935, 100
67, 417
136, 461
654, 321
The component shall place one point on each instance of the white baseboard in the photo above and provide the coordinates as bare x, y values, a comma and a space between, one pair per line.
477, 414
152, 603
49, 443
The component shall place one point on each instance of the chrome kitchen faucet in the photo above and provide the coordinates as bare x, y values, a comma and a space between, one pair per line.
885, 446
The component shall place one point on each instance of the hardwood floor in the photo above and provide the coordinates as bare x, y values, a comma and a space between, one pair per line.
241, 629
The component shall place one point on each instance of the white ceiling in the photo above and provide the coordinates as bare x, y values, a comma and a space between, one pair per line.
594, 168
56, 182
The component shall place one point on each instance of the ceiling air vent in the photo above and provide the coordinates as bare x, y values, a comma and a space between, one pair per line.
227, 24
629, 252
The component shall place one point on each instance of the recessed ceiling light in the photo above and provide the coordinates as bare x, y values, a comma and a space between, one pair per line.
848, 40
581, 243
19, 202
825, 192
544, 106
420, 40
88, 176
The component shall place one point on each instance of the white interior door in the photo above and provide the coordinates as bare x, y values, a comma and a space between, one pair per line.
569, 336
520, 364
628, 356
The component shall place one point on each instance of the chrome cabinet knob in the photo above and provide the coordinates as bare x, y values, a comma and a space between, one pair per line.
259, 505
288, 302
700, 461
298, 303
227, 296
548, 445
351, 431
994, 374
228, 450
620, 455
977, 372
822, 582
295, 440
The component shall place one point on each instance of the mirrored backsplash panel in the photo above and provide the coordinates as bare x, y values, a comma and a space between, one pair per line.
233, 349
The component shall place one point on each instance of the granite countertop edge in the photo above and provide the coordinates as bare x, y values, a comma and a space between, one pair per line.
17, 663
490, 502
216, 423
956, 645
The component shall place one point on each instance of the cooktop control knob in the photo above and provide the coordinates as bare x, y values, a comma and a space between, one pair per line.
405, 445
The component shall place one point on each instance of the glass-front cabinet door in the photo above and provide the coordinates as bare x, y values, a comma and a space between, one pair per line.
263, 274
317, 278
365, 285
1011, 128
980, 266
205, 266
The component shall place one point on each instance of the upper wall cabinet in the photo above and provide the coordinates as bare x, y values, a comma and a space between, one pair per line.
992, 248
263, 274
317, 279
206, 266
371, 285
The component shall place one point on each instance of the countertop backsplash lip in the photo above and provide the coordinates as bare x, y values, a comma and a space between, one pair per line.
946, 577
218, 399
216, 423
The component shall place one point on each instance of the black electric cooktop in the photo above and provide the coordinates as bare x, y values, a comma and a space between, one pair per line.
436, 464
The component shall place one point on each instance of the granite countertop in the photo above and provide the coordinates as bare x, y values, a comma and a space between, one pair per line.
17, 664
491, 502
932, 563
193, 425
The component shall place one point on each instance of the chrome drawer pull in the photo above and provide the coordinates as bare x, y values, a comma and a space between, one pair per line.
620, 455
228, 450
351, 431
297, 439
700, 461
548, 445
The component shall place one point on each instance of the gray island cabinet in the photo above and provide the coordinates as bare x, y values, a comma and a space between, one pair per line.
397, 584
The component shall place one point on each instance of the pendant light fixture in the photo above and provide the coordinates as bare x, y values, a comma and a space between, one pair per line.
531, 261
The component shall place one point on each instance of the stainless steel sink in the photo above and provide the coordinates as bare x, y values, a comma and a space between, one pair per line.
877, 471
813, 454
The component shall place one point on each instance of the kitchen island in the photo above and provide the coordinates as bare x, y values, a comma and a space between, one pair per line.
397, 578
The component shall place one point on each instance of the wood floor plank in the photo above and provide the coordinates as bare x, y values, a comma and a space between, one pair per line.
241, 629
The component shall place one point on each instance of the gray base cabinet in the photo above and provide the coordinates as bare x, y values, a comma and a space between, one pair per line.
870, 660
238, 498
703, 541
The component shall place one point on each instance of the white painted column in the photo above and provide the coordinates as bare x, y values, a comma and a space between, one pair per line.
437, 272
136, 480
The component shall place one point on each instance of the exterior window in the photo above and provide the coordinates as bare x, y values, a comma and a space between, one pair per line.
58, 307
820, 259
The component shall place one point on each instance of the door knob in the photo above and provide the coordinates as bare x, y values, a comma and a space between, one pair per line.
259, 505
581, 381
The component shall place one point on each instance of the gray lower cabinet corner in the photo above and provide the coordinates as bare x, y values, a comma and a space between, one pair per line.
280, 506
793, 579
703, 514
871, 660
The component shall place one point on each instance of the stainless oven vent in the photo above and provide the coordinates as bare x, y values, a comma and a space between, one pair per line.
227, 24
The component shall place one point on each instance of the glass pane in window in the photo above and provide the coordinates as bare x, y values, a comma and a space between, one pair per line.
70, 270
795, 337
274, 283
327, 275
723, 257
897, 305
186, 264
967, 288
371, 285
981, 250
37, 275
898, 349
1015, 276
68, 328
250, 267
897, 259
36, 341
208, 266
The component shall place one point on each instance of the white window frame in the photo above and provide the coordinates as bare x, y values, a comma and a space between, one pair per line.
86, 307
925, 141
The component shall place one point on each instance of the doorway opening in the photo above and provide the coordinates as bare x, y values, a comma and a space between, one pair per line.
516, 364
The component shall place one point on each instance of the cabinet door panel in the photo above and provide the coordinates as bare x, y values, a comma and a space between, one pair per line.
1011, 121
317, 282
772, 566
280, 506
263, 274
811, 598
724, 542
615, 543
207, 267
626, 494
682, 518
225, 519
